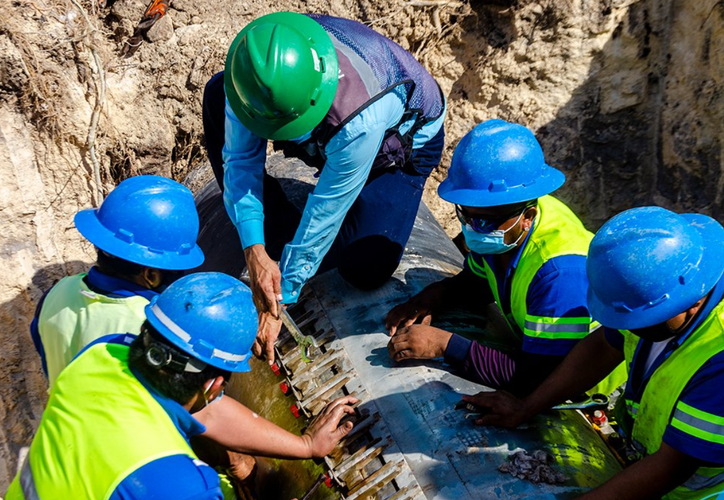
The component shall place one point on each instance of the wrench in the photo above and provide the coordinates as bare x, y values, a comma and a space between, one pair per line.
595, 402
303, 341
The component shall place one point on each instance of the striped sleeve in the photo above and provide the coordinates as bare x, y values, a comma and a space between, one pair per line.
557, 315
697, 423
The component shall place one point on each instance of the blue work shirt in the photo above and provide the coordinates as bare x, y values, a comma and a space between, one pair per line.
350, 154
701, 395
100, 283
177, 476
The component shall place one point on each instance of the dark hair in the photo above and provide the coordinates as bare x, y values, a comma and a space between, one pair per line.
177, 385
117, 267
525, 205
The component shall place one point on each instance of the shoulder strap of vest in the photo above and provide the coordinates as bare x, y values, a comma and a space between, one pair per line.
322, 140
557, 232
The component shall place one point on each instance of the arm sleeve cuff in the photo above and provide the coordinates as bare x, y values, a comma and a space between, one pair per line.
251, 232
290, 291
457, 350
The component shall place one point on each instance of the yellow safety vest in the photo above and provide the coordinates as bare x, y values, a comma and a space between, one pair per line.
557, 232
73, 316
660, 403
101, 425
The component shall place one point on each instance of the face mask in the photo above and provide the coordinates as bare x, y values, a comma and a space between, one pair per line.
208, 387
492, 242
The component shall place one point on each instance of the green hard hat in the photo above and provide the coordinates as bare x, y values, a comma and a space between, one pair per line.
281, 75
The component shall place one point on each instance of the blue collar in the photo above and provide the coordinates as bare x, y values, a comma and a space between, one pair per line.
516, 260
117, 288
186, 424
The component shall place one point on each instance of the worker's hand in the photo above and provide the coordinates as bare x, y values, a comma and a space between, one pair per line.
418, 342
325, 431
420, 307
266, 289
499, 408
242, 467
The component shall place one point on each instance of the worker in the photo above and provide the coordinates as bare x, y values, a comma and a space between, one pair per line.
656, 286
120, 415
145, 233
527, 253
348, 102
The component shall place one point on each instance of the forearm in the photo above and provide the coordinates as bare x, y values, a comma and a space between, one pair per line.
462, 289
466, 290
651, 478
234, 426
587, 364
480, 363
530, 371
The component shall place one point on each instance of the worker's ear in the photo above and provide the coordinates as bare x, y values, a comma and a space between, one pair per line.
691, 312
213, 388
151, 277
214, 384
528, 217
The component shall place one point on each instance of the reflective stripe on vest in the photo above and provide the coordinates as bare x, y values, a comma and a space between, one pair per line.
73, 316
660, 403
94, 434
557, 232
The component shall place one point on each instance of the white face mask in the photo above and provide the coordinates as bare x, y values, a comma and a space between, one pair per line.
492, 242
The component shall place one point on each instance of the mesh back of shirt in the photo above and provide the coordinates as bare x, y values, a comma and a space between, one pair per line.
390, 63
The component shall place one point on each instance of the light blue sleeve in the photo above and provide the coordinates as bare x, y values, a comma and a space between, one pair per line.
244, 157
350, 154
428, 131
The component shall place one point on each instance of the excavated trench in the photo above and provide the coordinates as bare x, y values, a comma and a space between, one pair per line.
409, 441
624, 95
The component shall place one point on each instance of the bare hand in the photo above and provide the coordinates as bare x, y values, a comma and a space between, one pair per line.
503, 409
266, 289
324, 432
242, 467
421, 307
418, 342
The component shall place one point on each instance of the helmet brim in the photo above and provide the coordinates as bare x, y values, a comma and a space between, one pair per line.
87, 223
545, 184
314, 115
174, 339
710, 270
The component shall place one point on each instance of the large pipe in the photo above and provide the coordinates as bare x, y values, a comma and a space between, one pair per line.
409, 441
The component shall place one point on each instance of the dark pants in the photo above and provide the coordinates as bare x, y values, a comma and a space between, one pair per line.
373, 235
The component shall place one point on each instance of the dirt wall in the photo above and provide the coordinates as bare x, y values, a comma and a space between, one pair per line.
625, 97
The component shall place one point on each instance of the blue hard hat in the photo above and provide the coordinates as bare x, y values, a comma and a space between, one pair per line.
210, 316
647, 265
148, 220
498, 163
